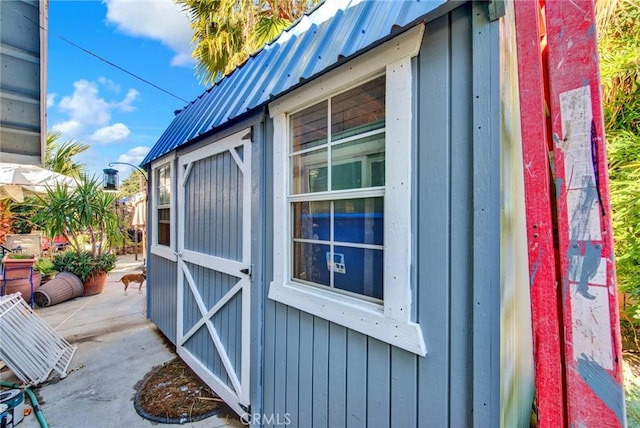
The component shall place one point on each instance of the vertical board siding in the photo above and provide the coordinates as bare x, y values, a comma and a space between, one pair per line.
213, 198
326, 375
434, 214
378, 384
356, 380
337, 375
281, 359
320, 374
305, 384
162, 294
404, 389
292, 358
460, 354
486, 218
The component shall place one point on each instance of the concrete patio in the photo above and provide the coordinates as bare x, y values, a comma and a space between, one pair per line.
116, 346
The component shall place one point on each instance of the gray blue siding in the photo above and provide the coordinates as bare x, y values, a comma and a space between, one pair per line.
324, 375
314, 373
162, 294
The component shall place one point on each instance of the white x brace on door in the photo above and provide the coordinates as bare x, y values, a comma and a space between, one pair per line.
214, 266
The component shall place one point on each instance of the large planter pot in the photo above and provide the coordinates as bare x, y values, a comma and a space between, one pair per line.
63, 287
94, 284
18, 275
23, 286
17, 268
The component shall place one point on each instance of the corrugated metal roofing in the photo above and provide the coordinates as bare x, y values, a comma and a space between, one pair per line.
330, 33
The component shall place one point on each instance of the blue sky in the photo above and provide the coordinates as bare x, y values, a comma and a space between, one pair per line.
119, 116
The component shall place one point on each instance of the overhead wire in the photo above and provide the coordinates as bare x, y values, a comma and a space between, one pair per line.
95, 54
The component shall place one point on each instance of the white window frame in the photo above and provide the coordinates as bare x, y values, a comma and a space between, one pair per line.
168, 252
389, 321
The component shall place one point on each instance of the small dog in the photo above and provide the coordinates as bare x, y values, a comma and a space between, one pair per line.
134, 277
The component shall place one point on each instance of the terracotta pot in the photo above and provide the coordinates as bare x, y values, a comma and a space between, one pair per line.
94, 284
22, 286
17, 268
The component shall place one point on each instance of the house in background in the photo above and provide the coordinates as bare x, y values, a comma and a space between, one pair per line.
355, 227
23, 68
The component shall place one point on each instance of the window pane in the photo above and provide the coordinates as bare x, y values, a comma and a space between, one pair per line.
309, 172
359, 271
359, 221
377, 173
309, 127
164, 227
311, 220
358, 164
164, 185
358, 110
310, 263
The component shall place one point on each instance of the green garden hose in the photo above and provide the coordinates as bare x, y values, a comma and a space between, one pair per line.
34, 402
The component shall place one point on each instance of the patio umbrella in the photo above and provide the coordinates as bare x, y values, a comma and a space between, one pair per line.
139, 220
139, 203
18, 181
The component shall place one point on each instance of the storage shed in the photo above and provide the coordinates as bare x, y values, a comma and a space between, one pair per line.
358, 226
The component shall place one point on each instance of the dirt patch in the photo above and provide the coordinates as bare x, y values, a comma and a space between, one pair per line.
173, 393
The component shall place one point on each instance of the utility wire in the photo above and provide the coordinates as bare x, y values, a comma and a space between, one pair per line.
119, 68
95, 54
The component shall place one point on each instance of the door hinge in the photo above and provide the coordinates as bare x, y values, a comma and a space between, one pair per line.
497, 9
248, 135
248, 271
246, 418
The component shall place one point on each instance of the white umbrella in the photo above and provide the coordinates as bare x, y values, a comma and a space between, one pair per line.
17, 180
139, 203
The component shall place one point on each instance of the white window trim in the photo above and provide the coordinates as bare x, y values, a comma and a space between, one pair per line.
389, 322
168, 252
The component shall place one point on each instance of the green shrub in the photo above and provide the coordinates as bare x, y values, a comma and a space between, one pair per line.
83, 264
44, 266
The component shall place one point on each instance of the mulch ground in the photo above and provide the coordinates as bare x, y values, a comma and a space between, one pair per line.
174, 391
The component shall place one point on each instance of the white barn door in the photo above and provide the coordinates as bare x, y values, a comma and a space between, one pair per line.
214, 266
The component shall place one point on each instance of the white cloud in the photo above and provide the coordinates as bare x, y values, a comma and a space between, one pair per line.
161, 20
109, 84
134, 156
51, 100
69, 129
110, 134
85, 106
89, 112
125, 104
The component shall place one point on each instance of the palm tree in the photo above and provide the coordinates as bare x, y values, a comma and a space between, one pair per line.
226, 32
59, 156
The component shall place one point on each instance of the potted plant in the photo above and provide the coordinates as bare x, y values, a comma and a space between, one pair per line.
18, 275
85, 216
45, 267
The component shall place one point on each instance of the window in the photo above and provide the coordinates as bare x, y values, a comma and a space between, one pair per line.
337, 195
342, 186
163, 175
163, 239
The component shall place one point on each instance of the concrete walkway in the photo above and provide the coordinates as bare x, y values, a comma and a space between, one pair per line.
116, 346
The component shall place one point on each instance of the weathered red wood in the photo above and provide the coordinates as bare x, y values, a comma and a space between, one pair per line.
545, 297
593, 363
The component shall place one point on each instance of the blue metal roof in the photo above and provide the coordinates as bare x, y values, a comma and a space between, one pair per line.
331, 33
